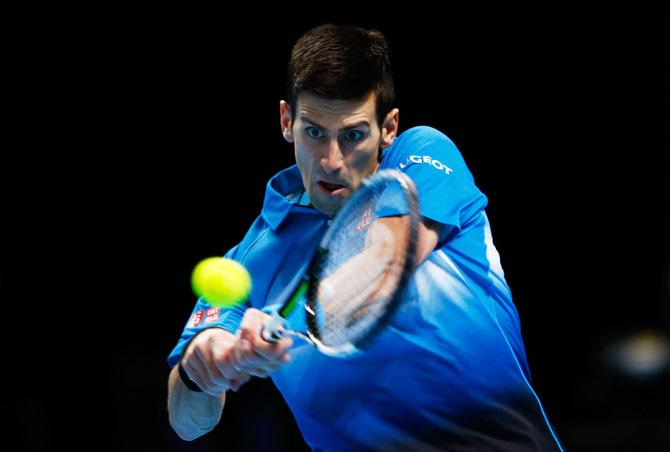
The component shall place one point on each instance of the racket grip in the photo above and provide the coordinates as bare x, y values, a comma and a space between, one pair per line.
274, 328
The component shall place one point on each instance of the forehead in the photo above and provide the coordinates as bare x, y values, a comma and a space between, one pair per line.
335, 111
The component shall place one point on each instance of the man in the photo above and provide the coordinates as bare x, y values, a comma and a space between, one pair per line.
450, 372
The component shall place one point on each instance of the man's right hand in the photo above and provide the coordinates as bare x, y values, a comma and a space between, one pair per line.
254, 355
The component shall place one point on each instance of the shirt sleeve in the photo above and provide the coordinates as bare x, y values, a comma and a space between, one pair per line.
205, 315
447, 190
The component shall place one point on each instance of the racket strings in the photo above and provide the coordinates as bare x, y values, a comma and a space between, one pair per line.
363, 266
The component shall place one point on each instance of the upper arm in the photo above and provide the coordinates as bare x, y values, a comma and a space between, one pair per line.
448, 195
427, 238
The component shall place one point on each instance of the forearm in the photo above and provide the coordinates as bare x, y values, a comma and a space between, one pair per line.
192, 414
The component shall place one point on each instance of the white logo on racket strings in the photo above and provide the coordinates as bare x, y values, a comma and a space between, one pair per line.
429, 160
365, 221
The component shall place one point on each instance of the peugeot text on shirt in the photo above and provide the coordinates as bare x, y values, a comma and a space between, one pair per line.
426, 159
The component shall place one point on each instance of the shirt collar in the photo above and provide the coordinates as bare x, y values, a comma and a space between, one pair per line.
285, 193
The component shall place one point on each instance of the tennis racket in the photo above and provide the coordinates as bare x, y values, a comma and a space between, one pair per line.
356, 278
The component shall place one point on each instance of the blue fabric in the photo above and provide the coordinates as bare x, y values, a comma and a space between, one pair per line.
279, 242
450, 372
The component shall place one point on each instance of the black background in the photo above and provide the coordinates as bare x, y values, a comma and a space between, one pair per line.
136, 151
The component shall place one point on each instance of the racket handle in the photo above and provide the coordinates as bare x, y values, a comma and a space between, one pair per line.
274, 328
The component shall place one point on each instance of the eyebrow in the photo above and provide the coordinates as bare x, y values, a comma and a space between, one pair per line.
363, 122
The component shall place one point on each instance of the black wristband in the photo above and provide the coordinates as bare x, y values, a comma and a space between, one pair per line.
190, 384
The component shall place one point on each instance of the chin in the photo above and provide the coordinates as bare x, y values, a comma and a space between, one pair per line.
328, 208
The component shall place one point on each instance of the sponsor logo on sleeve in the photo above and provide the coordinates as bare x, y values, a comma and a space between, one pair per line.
212, 315
365, 220
427, 160
195, 319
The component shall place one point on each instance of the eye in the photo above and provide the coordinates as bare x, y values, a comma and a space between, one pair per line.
313, 132
354, 136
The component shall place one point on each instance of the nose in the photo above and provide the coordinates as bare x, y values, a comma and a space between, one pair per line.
332, 161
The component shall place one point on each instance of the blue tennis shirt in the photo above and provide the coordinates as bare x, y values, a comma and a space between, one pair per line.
450, 371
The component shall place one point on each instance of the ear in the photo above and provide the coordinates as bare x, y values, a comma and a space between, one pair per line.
285, 120
390, 128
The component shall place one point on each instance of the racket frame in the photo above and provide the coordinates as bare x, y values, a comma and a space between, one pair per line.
275, 328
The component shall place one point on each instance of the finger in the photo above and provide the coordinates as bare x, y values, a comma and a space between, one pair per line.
237, 383
197, 373
209, 366
260, 366
252, 323
261, 369
252, 326
273, 350
250, 339
250, 358
238, 359
285, 358
246, 359
254, 360
226, 364
244, 354
255, 372
260, 345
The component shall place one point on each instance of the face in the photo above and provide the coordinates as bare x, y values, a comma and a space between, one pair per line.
337, 143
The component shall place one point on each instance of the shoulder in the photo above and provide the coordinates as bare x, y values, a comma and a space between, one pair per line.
423, 145
440, 173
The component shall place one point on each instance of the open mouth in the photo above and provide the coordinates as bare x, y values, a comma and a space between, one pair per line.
331, 188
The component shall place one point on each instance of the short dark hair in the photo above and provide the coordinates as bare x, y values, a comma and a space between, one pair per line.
342, 62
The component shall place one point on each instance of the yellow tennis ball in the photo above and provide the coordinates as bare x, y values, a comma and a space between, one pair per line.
223, 282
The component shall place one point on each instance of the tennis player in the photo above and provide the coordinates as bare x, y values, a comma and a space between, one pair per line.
449, 372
